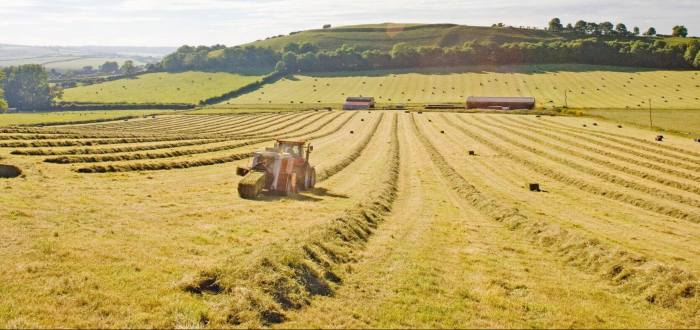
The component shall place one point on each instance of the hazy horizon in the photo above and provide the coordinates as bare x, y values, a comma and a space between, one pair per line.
172, 23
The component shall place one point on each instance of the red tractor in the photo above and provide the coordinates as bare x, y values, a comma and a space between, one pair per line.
284, 169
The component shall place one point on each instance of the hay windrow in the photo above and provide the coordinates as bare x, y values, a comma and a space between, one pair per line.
628, 148
559, 136
608, 164
50, 152
580, 184
329, 171
634, 274
663, 149
131, 167
74, 143
288, 276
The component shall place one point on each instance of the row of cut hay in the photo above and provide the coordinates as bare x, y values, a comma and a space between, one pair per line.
77, 143
287, 276
189, 163
216, 125
614, 155
616, 152
101, 151
168, 154
268, 126
635, 274
160, 122
185, 121
627, 148
211, 120
642, 203
130, 167
329, 171
662, 149
605, 164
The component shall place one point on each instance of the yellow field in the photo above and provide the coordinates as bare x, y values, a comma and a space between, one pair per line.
585, 87
185, 87
138, 224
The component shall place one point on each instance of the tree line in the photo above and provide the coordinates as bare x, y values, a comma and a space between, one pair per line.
26, 87
608, 29
591, 50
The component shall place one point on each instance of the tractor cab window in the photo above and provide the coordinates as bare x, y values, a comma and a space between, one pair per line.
294, 150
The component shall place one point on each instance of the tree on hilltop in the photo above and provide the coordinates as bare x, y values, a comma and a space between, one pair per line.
650, 32
621, 29
680, 31
555, 25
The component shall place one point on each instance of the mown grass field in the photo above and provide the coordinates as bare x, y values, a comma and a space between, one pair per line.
681, 121
185, 87
26, 118
578, 86
138, 224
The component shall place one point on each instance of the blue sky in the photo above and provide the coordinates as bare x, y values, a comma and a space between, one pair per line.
231, 22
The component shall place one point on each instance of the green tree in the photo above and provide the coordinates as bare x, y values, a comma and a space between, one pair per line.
636, 31
55, 93
580, 26
128, 68
593, 28
27, 87
109, 67
307, 48
696, 63
291, 47
291, 64
650, 32
555, 25
680, 31
3, 103
621, 29
606, 28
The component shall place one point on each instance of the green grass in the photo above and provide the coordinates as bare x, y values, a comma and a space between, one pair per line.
586, 86
385, 36
185, 87
681, 121
68, 116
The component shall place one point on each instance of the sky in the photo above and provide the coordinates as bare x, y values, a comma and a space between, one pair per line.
233, 22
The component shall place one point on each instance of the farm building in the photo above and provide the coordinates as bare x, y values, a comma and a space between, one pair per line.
358, 103
504, 103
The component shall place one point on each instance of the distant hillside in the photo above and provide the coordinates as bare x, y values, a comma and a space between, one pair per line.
399, 46
385, 36
66, 58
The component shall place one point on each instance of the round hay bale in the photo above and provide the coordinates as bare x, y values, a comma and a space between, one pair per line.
362, 119
619, 126
9, 171
442, 132
352, 132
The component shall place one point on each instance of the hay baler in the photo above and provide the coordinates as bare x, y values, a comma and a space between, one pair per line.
284, 169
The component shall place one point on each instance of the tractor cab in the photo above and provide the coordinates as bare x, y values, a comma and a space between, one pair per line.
284, 168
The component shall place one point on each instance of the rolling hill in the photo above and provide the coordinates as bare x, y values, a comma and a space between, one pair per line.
385, 36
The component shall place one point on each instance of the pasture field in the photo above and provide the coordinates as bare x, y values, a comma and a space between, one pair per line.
138, 224
26, 118
185, 87
67, 62
681, 121
576, 86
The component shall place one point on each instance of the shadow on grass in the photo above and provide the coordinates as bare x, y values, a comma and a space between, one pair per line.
313, 195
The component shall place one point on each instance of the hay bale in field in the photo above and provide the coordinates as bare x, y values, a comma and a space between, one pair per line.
362, 119
442, 132
619, 126
9, 171
420, 112
595, 124
659, 138
535, 187
584, 125
472, 153
352, 132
